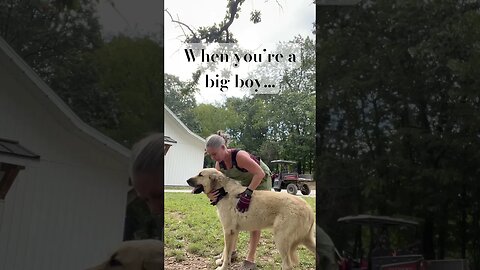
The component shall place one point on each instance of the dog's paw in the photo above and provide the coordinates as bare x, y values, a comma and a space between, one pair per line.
219, 262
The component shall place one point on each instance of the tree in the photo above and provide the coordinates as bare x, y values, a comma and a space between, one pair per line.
213, 118
217, 33
180, 98
57, 39
131, 71
292, 111
398, 107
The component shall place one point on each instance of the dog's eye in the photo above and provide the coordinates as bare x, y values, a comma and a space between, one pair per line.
200, 174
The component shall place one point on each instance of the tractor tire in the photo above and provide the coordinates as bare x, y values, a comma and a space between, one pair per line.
277, 189
292, 189
305, 189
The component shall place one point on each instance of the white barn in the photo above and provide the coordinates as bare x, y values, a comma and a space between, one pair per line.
185, 157
62, 201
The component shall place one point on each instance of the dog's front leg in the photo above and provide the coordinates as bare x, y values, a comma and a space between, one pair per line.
229, 236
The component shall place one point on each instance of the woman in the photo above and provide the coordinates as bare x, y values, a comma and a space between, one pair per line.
252, 172
146, 171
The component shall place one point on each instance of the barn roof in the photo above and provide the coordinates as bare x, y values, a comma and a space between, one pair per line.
47, 96
193, 134
14, 148
168, 140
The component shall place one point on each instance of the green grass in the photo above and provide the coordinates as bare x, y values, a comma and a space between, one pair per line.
192, 226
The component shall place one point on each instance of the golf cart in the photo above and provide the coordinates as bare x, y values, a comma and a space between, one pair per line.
381, 255
286, 178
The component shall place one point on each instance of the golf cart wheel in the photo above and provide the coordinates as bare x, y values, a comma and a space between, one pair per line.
305, 189
292, 189
277, 189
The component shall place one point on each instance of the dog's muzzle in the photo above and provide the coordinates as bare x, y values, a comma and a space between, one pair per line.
196, 188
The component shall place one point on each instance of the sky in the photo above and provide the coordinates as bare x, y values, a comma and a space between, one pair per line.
281, 21
131, 17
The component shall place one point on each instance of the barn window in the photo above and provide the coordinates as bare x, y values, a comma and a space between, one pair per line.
9, 171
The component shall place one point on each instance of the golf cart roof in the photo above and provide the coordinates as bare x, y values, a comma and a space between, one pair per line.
283, 161
376, 220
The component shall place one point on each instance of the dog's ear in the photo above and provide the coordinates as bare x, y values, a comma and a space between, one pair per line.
214, 176
216, 179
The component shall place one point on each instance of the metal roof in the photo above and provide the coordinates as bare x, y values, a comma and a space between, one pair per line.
14, 148
169, 140
179, 122
283, 161
376, 220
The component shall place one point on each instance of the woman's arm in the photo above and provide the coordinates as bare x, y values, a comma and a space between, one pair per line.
245, 161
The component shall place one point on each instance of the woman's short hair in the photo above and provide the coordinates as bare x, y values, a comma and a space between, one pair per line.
147, 155
218, 139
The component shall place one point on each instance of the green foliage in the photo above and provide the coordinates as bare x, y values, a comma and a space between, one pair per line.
291, 118
58, 39
213, 118
256, 16
218, 32
179, 97
131, 71
398, 116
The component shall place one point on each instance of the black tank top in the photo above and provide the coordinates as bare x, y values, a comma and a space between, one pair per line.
234, 160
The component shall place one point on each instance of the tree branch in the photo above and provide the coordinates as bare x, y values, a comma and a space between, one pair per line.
181, 24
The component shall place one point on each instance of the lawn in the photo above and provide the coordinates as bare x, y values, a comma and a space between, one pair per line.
192, 228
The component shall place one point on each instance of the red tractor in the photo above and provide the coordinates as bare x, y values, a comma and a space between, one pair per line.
285, 178
378, 253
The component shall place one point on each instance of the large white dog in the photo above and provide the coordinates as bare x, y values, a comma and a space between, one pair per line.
291, 218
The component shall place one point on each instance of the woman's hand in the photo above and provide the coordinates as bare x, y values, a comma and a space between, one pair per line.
216, 195
244, 202
213, 195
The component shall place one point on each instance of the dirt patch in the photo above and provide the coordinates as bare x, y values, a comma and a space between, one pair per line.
177, 215
312, 185
194, 262
191, 262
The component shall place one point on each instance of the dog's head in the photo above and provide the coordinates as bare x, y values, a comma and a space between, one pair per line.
206, 181
135, 255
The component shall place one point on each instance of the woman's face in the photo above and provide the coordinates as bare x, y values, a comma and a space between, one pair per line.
217, 154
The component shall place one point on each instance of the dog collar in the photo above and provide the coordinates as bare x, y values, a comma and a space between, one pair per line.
221, 193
